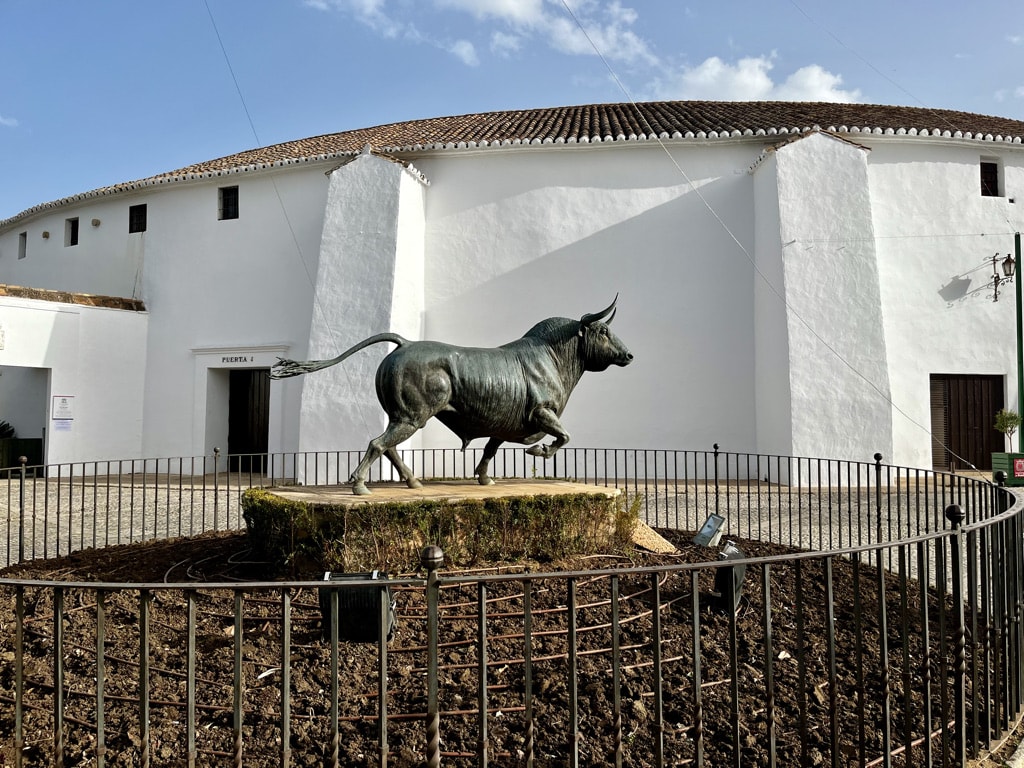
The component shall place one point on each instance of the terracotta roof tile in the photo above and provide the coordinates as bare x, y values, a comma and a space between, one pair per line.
67, 297
619, 122
591, 123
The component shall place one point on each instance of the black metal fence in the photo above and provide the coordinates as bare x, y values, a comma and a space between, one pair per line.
818, 504
885, 631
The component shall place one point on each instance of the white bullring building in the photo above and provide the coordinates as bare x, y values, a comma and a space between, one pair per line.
794, 278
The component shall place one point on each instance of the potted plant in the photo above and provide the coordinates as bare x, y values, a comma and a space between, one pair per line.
1007, 422
1011, 463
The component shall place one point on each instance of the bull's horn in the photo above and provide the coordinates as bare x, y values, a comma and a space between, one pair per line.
588, 319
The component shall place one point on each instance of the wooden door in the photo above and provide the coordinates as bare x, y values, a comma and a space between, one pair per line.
964, 408
248, 418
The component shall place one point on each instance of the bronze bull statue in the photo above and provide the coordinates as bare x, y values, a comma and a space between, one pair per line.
512, 393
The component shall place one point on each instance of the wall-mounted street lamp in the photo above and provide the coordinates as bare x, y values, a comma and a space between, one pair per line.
1007, 266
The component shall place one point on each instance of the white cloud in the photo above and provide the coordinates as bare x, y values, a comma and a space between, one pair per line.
504, 44
1005, 93
749, 80
369, 12
464, 50
611, 36
1015, 39
814, 83
527, 12
8, 122
607, 23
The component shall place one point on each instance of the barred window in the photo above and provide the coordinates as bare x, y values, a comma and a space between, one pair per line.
137, 218
989, 178
70, 232
228, 203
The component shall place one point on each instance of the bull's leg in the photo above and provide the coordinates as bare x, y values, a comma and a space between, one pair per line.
547, 420
393, 435
489, 452
403, 471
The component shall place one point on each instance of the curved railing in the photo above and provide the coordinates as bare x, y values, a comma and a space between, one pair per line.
884, 629
813, 503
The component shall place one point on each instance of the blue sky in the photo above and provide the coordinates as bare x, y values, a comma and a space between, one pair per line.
96, 93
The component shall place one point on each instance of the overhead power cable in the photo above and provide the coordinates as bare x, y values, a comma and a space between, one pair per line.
317, 305
764, 278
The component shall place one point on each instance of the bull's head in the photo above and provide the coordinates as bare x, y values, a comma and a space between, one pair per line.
598, 345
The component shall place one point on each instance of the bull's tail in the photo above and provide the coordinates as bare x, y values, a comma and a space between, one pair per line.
282, 369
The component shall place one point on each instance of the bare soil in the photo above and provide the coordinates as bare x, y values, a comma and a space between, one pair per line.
740, 694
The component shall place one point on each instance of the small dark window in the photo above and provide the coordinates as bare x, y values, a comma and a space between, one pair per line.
137, 218
71, 231
22, 245
228, 203
989, 179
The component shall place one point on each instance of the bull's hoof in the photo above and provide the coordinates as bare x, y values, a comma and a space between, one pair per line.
412, 482
359, 489
484, 480
540, 450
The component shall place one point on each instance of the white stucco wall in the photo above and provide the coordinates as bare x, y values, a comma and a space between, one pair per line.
772, 394
936, 236
107, 260
227, 289
94, 355
884, 253
837, 348
514, 236
215, 289
369, 280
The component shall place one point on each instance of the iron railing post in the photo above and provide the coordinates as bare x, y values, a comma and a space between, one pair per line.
58, 677
432, 558
717, 512
878, 505
216, 489
23, 461
383, 619
955, 515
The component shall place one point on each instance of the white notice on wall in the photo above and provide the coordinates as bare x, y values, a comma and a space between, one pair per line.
63, 407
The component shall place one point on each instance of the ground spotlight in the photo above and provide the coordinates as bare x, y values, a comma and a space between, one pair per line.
359, 608
729, 578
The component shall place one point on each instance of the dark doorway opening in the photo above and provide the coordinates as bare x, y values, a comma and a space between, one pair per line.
964, 409
248, 419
